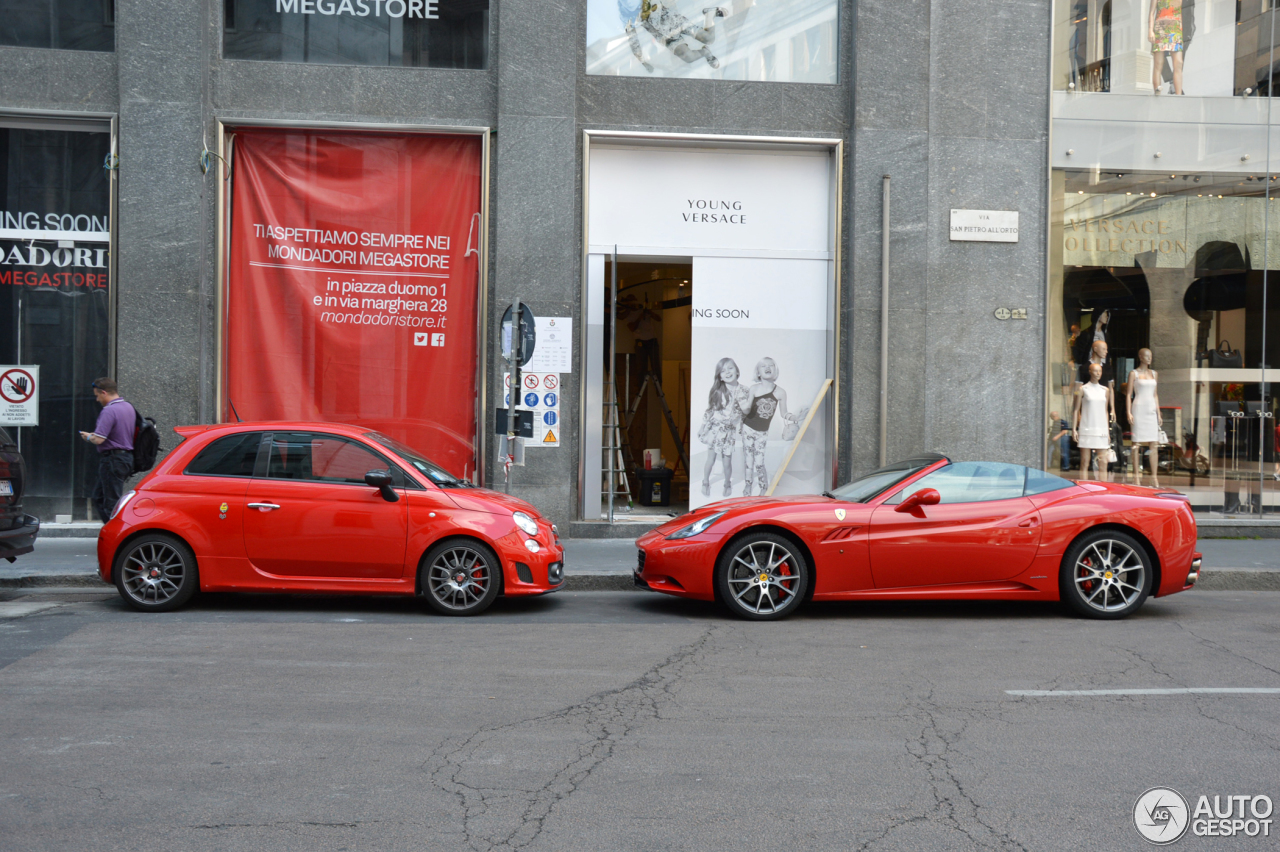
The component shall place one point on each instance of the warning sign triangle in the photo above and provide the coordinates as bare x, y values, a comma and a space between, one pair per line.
551, 437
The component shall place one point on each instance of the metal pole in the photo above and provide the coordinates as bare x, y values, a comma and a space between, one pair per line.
514, 393
613, 379
1266, 265
884, 323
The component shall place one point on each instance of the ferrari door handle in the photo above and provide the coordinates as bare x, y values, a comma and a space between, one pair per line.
264, 507
1027, 522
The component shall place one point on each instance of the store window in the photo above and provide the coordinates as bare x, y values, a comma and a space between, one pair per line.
795, 42
411, 33
62, 24
1164, 283
54, 305
1149, 46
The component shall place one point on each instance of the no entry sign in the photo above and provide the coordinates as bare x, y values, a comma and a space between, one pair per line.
20, 396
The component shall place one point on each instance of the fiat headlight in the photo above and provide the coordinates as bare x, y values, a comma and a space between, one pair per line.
696, 527
526, 523
120, 504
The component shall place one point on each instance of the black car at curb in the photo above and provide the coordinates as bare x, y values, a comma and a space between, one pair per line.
18, 530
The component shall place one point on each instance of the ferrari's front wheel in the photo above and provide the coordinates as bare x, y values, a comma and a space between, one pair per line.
762, 576
1105, 574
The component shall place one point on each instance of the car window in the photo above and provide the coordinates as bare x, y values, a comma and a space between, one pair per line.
320, 458
868, 485
231, 455
971, 482
1040, 482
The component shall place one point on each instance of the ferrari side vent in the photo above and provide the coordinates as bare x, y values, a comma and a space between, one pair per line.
840, 533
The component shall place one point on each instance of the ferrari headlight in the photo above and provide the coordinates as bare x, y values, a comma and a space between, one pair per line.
526, 523
698, 526
120, 504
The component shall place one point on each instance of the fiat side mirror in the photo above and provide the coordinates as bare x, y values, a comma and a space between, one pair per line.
381, 480
923, 497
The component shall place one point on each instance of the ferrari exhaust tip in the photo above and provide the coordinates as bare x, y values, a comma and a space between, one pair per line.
1194, 575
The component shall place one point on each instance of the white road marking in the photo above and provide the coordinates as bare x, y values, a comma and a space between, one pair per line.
14, 609
1189, 690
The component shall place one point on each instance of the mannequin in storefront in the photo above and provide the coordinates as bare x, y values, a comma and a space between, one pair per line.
1097, 356
1164, 31
1085, 340
1143, 408
1095, 411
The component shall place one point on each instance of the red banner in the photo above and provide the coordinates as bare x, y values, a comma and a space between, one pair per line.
354, 283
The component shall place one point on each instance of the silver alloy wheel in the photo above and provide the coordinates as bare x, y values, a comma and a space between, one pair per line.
459, 578
757, 581
153, 572
1109, 575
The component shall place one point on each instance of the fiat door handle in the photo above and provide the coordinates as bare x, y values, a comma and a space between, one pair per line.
1026, 523
264, 507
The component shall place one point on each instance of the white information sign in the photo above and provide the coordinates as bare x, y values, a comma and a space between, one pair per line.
553, 352
984, 226
20, 396
539, 393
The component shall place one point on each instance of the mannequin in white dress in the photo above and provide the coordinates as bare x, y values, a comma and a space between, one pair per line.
1095, 411
1143, 407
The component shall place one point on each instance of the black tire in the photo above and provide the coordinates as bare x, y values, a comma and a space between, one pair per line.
1105, 574
460, 576
156, 572
741, 567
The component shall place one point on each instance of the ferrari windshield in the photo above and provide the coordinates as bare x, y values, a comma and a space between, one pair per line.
864, 487
421, 463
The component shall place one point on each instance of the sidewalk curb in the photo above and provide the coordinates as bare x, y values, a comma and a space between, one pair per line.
1224, 580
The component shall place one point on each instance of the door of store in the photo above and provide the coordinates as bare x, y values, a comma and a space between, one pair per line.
726, 296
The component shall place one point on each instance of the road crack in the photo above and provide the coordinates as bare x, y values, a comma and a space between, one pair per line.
504, 803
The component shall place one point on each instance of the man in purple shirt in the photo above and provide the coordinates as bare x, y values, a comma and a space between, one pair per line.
113, 436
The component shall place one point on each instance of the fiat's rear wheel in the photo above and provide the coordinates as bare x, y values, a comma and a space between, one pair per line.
762, 576
1105, 574
156, 573
459, 577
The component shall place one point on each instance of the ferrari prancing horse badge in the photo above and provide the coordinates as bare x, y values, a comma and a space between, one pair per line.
839, 514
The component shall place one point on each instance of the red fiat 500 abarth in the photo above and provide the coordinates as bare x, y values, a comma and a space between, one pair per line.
320, 507
929, 529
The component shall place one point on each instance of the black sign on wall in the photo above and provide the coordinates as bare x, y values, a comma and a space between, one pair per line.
414, 33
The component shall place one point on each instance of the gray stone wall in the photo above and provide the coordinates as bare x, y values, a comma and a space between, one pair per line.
952, 103
951, 100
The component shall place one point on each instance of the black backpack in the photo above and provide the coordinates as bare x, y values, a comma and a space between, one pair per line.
146, 443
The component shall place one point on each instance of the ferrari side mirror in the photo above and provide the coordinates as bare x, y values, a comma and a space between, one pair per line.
923, 497
381, 480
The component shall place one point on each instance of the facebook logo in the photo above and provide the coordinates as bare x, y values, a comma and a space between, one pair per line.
437, 340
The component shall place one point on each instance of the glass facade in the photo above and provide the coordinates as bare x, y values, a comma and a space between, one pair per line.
1164, 232
413, 33
63, 24
54, 304
737, 40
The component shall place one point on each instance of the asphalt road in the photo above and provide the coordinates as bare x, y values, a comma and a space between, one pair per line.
622, 721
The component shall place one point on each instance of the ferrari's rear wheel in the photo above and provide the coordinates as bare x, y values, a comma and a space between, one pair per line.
459, 577
1105, 574
762, 576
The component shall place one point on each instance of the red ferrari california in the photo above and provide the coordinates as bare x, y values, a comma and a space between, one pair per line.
930, 529
320, 507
